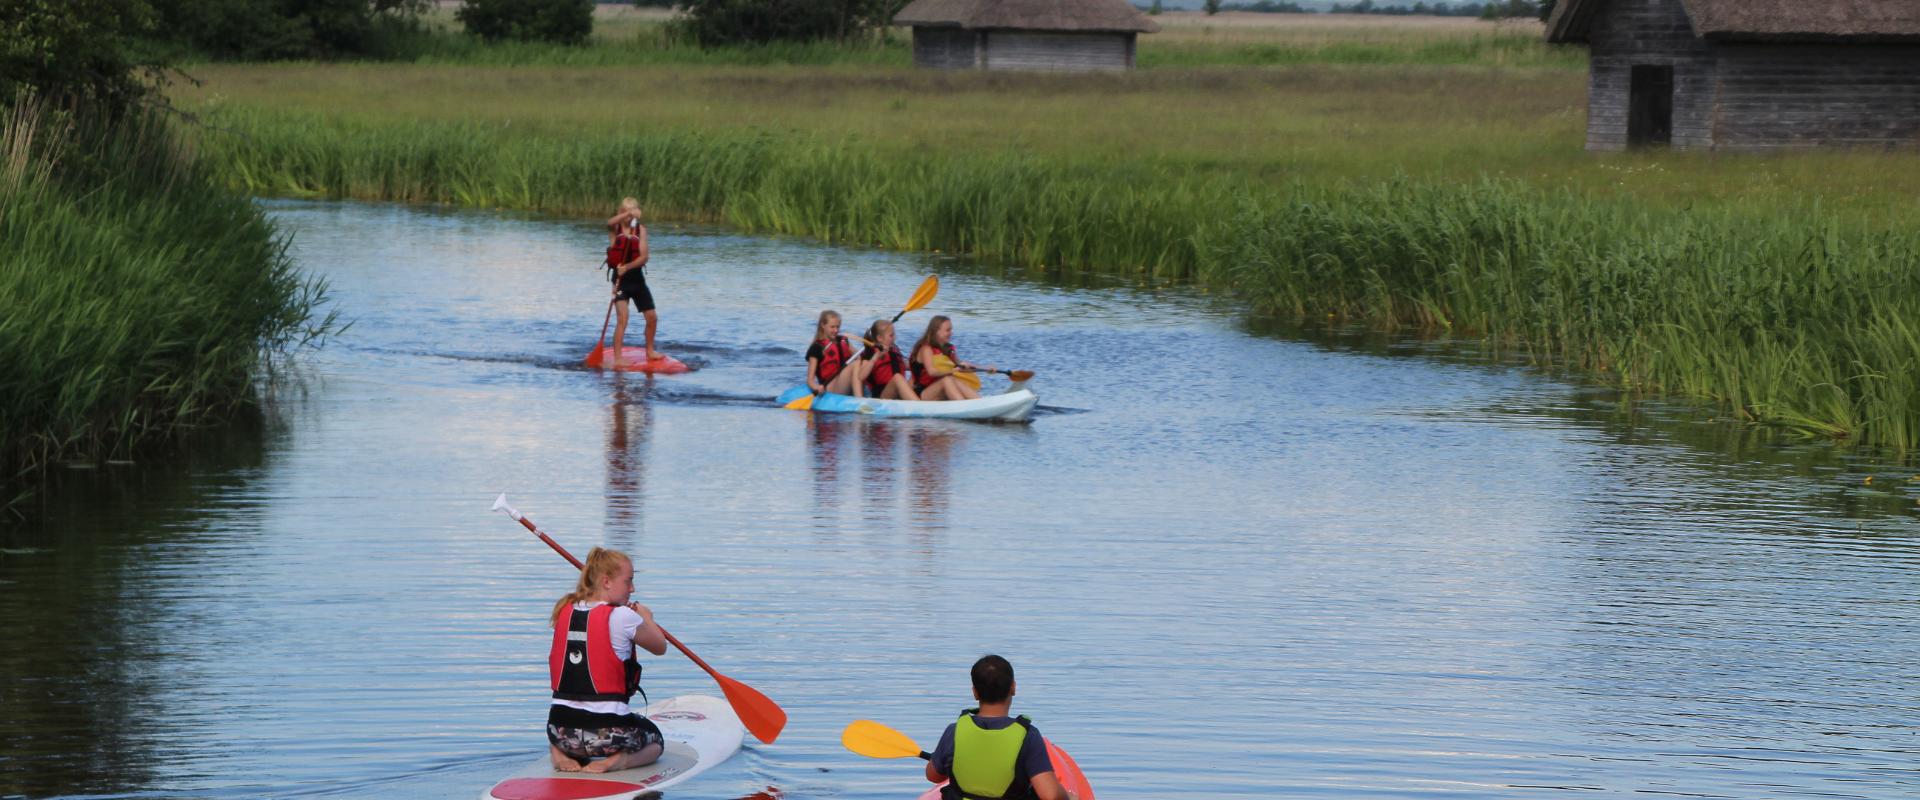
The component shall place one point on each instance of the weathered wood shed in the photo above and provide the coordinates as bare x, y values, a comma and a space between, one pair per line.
1053, 35
1747, 74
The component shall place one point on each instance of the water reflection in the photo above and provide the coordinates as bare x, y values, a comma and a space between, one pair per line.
879, 445
96, 611
629, 419
930, 457
825, 448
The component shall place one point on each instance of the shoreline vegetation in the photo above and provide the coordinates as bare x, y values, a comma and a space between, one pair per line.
138, 295
1436, 182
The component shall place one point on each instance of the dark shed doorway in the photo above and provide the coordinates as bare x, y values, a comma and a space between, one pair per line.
1650, 107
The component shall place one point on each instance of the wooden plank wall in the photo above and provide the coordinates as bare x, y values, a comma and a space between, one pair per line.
1059, 52
1652, 32
945, 48
1807, 95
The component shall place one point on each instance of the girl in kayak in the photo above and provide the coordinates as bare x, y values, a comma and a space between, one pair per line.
830, 357
883, 368
627, 256
990, 753
598, 633
936, 382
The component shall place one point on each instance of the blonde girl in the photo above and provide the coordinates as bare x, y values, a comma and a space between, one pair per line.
829, 359
598, 633
630, 272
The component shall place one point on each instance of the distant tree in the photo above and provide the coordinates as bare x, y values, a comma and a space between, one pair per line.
1212, 7
557, 21
1546, 9
714, 23
1156, 8
254, 30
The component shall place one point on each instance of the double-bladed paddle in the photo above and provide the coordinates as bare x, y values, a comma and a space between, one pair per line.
921, 297
762, 717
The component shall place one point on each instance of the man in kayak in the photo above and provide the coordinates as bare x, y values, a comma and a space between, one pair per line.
595, 669
627, 256
988, 754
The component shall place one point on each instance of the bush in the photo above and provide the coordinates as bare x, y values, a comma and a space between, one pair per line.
76, 52
718, 23
262, 30
558, 21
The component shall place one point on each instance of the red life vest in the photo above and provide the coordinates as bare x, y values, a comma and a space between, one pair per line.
625, 248
833, 357
885, 366
583, 665
922, 378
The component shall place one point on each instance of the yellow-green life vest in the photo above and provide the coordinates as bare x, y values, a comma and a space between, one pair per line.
984, 761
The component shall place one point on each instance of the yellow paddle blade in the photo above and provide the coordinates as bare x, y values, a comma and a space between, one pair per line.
803, 403
923, 295
943, 364
874, 740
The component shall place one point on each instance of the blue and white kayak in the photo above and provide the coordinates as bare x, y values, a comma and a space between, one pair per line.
1014, 406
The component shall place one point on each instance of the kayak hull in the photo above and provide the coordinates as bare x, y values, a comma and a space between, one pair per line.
1013, 406
634, 359
701, 732
1064, 769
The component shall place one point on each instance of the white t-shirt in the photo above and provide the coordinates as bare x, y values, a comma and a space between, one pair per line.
624, 623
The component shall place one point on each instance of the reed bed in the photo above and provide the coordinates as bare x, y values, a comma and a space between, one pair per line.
137, 293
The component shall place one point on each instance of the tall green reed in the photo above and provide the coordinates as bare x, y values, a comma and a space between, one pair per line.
136, 292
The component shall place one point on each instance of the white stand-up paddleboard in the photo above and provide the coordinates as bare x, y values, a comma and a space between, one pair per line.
701, 732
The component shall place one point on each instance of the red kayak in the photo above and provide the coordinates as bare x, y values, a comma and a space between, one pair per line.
634, 359
1064, 769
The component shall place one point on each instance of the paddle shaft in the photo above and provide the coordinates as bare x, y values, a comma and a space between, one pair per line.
577, 565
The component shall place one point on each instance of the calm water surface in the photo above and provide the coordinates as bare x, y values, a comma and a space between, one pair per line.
1224, 564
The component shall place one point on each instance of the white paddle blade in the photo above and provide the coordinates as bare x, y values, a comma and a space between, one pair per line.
500, 504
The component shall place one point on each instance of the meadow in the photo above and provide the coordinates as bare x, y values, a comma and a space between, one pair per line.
1427, 175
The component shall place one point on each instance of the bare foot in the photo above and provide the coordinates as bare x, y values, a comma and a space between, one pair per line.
597, 766
655, 355
561, 761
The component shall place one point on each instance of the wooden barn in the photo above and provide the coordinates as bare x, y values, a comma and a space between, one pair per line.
1747, 74
1049, 35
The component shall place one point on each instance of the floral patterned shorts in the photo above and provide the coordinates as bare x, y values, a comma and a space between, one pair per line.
630, 734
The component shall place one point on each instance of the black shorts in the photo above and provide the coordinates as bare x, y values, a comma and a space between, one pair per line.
634, 287
584, 735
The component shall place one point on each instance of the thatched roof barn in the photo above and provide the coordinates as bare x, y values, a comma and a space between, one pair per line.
1747, 74
1053, 35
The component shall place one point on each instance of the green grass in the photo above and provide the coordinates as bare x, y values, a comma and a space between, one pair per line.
1453, 197
136, 293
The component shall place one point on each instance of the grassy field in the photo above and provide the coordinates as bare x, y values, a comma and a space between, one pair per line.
1428, 175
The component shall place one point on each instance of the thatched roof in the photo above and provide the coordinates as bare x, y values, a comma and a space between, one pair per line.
1768, 20
1090, 16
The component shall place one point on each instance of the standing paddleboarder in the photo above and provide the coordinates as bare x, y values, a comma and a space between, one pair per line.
627, 257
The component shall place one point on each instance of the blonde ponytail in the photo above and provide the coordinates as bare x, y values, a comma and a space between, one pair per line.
601, 564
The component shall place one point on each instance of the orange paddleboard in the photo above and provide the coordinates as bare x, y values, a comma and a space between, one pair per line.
634, 359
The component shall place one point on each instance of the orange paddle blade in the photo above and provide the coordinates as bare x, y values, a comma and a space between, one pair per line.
1019, 375
763, 718
802, 403
874, 740
599, 352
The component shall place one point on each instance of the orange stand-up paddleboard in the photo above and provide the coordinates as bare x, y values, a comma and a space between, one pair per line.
634, 359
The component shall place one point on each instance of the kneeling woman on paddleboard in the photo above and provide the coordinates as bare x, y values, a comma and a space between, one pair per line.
595, 669
829, 357
934, 365
883, 368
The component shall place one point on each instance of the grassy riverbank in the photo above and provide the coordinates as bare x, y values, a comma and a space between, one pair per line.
136, 292
1446, 196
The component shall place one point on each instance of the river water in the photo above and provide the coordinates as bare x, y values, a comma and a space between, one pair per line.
1225, 563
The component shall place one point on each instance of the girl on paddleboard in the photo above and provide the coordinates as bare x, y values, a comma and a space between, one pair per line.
830, 358
627, 256
883, 368
595, 669
934, 364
